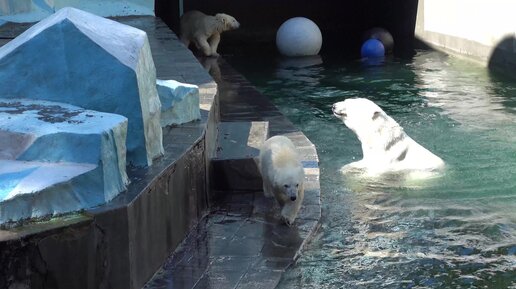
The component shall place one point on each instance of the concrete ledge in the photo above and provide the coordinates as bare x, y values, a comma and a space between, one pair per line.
243, 243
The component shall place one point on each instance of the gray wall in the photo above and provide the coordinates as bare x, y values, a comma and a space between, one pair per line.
482, 30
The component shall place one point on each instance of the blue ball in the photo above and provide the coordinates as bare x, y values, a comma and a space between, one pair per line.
372, 48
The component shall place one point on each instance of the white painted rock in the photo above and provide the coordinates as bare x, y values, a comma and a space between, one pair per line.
299, 36
54, 136
179, 102
92, 62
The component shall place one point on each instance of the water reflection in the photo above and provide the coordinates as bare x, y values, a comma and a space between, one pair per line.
455, 231
305, 70
464, 91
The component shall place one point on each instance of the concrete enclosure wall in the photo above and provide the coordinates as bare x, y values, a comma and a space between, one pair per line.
483, 30
35, 10
342, 23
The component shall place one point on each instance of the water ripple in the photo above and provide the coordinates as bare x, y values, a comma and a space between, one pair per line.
456, 230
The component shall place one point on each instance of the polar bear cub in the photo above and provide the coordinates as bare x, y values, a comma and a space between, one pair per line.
283, 175
204, 30
385, 146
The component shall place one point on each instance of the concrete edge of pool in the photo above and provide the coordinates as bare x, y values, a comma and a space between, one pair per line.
123, 243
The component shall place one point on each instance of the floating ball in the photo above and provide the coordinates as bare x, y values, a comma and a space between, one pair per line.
299, 36
372, 48
381, 34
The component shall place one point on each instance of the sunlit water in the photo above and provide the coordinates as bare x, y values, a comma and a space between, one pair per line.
454, 231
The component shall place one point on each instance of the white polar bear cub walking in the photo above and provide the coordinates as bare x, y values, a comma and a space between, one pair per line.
204, 30
385, 146
283, 175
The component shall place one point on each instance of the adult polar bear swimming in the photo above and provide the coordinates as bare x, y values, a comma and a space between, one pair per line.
283, 175
204, 30
385, 146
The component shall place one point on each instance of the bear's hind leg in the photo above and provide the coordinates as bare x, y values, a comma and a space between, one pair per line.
204, 46
214, 44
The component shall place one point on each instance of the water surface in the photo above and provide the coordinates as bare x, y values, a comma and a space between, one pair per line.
454, 231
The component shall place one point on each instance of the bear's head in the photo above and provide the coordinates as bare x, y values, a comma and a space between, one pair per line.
230, 23
359, 114
290, 183
367, 120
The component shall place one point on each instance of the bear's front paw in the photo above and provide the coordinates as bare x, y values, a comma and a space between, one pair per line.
288, 221
215, 54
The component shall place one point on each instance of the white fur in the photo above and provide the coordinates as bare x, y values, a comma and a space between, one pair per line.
385, 146
283, 175
204, 30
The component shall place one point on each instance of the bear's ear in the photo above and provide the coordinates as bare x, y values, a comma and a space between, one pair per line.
376, 114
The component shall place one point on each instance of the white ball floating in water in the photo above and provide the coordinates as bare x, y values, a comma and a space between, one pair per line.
299, 36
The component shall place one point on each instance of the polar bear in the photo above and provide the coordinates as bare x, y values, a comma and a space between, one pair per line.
385, 146
283, 175
204, 30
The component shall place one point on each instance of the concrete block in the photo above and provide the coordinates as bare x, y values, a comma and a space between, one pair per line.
36, 189
92, 62
52, 152
179, 102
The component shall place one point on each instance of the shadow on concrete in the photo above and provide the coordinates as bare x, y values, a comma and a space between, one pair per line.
503, 57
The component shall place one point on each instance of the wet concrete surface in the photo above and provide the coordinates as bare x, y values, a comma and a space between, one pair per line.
243, 243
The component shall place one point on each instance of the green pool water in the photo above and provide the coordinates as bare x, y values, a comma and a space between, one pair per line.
457, 230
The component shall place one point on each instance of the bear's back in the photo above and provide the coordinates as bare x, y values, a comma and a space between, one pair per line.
280, 152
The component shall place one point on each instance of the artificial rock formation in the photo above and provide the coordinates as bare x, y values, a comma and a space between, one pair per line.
78, 58
57, 158
179, 102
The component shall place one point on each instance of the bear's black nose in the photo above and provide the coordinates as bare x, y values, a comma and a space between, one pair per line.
293, 198
334, 106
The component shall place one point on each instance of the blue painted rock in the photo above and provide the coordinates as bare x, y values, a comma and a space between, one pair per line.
92, 62
179, 102
57, 158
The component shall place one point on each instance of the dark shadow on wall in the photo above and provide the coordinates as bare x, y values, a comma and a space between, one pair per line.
342, 22
503, 57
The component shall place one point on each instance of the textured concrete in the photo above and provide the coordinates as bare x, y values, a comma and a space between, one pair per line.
243, 243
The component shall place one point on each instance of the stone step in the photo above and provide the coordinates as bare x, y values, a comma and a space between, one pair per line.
44, 150
238, 145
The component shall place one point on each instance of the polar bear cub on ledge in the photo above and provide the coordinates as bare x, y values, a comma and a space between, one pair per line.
204, 30
283, 175
385, 145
